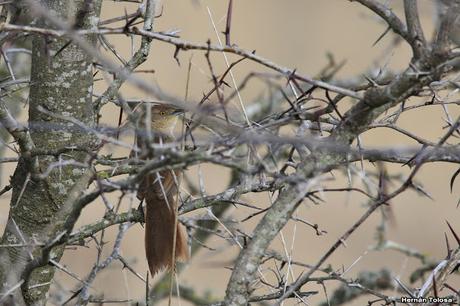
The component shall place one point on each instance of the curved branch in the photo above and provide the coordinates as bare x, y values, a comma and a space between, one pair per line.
387, 14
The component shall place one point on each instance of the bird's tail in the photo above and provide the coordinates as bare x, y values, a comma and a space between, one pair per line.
160, 228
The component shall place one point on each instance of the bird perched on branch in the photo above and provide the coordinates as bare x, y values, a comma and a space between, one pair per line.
164, 236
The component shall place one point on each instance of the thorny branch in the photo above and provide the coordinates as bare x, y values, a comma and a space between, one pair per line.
290, 169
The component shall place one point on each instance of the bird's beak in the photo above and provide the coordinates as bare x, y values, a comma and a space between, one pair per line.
178, 112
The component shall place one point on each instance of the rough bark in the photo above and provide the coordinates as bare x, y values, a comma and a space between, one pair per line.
61, 84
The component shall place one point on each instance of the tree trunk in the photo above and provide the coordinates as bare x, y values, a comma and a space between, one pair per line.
61, 87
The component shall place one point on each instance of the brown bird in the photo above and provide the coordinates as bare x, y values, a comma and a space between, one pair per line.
163, 234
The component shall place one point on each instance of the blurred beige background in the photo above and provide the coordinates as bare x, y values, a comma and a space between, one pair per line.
296, 34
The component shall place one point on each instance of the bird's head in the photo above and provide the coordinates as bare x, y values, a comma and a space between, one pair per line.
163, 118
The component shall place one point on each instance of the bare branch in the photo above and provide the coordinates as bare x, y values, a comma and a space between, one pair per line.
415, 30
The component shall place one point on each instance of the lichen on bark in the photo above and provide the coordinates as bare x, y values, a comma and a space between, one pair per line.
61, 87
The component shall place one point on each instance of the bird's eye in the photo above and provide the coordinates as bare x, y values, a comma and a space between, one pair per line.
162, 113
